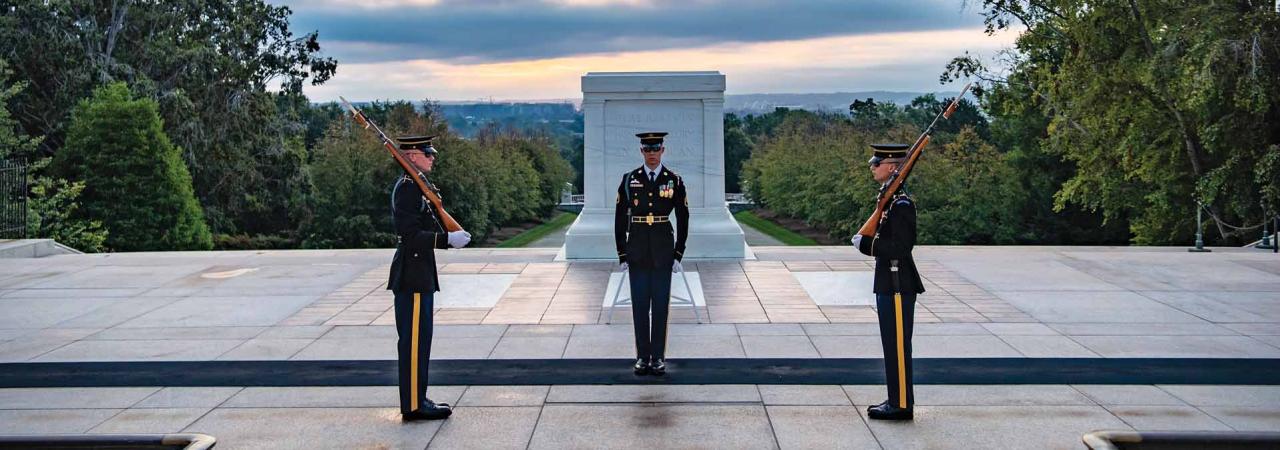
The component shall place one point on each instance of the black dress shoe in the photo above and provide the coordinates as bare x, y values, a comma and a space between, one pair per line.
441, 404
889, 412
427, 412
658, 367
869, 408
641, 367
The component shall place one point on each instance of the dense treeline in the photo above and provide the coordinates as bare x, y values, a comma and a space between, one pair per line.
1107, 123
207, 96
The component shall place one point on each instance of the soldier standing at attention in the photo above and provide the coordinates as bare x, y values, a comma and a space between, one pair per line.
414, 280
896, 284
648, 248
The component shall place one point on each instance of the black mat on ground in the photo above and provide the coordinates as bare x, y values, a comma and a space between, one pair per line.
618, 371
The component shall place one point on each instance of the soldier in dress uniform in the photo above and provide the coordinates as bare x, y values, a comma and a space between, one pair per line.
896, 284
649, 248
414, 281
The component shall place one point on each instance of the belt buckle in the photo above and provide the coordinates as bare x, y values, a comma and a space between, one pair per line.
649, 219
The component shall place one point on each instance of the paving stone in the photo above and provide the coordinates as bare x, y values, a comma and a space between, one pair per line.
770, 329
779, 347
141, 350
266, 349
1128, 395
1247, 418
704, 346
73, 398
1201, 395
530, 347
1047, 346
1038, 427
188, 397
150, 421
335, 397
636, 426
820, 427
304, 428
52, 421
1177, 347
487, 428
504, 396
803, 395
723, 393
352, 349
1181, 418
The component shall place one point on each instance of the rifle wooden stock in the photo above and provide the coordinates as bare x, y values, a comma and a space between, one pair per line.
429, 190
900, 176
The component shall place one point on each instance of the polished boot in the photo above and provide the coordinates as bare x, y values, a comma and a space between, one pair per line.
869, 408
658, 367
889, 412
641, 367
429, 411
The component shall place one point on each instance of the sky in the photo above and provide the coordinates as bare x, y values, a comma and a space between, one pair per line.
456, 50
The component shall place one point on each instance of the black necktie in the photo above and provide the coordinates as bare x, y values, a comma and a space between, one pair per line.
653, 177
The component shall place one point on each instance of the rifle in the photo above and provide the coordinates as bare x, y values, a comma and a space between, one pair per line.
429, 190
900, 176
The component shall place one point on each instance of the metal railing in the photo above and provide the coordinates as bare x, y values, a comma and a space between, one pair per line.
13, 199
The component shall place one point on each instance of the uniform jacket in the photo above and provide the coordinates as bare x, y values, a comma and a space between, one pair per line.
413, 268
641, 245
893, 241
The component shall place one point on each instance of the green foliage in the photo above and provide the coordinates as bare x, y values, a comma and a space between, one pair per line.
500, 178
964, 189
557, 222
1156, 104
134, 179
814, 168
53, 213
771, 229
227, 76
51, 202
352, 175
737, 149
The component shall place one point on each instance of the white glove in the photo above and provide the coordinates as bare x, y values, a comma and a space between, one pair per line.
459, 239
624, 267
857, 240
676, 267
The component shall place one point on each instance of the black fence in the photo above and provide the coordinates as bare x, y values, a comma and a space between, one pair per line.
13, 199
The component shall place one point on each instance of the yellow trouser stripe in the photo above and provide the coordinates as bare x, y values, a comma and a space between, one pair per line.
666, 342
902, 363
413, 354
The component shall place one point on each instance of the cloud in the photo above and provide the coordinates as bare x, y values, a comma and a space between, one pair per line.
476, 32
908, 61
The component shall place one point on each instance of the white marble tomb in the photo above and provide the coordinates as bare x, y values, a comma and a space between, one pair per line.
689, 106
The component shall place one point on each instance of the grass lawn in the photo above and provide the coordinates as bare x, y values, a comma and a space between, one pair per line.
520, 240
772, 229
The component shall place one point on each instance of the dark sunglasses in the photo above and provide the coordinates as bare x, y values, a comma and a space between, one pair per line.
876, 161
651, 149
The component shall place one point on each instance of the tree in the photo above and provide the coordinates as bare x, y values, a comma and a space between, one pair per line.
227, 75
51, 203
737, 149
135, 181
1160, 104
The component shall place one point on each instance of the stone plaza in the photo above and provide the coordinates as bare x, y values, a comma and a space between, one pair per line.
516, 313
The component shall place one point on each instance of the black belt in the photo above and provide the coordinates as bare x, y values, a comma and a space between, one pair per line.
649, 219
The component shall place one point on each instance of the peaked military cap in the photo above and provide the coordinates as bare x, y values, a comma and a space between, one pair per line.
651, 138
422, 143
886, 151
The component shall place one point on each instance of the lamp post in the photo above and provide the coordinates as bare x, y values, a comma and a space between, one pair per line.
1199, 235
